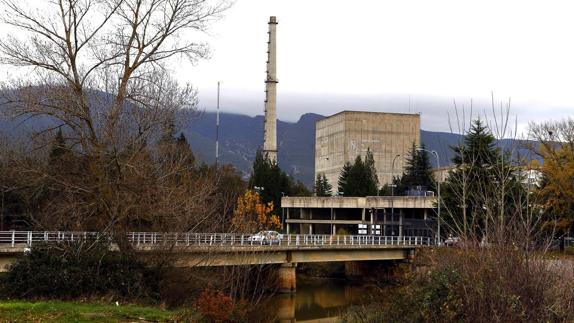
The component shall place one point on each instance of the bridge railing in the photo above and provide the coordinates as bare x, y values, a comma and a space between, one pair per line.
13, 238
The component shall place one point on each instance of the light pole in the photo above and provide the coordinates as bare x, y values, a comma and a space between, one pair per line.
433, 152
393, 188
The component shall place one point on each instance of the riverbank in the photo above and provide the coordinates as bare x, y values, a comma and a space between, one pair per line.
60, 311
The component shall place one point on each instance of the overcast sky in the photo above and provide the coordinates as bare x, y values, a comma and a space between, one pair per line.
398, 56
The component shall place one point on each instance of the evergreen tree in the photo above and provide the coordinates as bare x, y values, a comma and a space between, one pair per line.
184, 152
343, 178
272, 183
473, 185
322, 186
359, 178
371, 174
59, 148
418, 172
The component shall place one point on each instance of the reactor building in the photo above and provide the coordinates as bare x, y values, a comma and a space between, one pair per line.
341, 137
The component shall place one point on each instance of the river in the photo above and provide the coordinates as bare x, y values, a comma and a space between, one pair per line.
316, 300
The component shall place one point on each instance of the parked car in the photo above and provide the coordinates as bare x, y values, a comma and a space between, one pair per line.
266, 237
452, 241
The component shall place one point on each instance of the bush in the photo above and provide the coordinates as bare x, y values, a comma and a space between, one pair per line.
497, 284
70, 270
218, 307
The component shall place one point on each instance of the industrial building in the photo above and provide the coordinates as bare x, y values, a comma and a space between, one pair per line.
371, 215
341, 137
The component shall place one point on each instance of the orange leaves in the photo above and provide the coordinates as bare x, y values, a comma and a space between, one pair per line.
251, 214
218, 307
558, 189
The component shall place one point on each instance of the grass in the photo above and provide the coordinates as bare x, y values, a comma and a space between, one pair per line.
59, 311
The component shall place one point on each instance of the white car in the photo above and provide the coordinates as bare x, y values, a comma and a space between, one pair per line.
452, 242
266, 237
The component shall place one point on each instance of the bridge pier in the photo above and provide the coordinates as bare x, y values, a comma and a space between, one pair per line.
285, 308
287, 278
356, 270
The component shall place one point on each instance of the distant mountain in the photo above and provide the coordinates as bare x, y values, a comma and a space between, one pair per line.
241, 136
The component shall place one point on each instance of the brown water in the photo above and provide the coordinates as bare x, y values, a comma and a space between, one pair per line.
316, 300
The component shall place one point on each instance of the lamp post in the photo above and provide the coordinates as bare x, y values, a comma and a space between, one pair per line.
393, 188
433, 152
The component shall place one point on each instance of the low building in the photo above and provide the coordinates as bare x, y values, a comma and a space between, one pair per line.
375, 215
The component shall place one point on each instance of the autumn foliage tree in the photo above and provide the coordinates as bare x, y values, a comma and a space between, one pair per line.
556, 189
252, 214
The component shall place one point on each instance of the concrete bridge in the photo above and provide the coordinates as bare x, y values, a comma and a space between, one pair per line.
223, 249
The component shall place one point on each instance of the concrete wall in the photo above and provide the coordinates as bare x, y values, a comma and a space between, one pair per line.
339, 202
343, 136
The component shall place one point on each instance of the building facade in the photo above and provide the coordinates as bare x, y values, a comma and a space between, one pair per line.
371, 215
340, 138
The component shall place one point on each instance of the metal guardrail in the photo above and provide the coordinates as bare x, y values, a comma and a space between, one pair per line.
13, 238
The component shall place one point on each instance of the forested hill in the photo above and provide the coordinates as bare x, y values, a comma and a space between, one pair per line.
241, 135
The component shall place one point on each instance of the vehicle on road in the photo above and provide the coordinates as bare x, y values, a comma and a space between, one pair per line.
452, 242
266, 237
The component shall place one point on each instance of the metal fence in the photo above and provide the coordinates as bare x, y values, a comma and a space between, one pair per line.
13, 238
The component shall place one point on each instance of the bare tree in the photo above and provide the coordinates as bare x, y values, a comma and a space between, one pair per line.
99, 70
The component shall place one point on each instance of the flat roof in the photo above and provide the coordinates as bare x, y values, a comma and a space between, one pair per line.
374, 112
347, 202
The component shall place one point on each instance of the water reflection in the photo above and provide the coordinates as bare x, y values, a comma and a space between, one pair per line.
317, 300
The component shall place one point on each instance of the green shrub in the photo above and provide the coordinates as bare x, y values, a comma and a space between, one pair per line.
71, 270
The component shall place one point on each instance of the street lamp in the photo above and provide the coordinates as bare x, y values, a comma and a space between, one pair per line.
433, 152
393, 188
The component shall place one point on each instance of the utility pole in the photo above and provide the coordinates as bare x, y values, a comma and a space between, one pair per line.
393, 189
217, 129
434, 153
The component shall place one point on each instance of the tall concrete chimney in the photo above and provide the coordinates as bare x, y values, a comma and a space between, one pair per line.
270, 129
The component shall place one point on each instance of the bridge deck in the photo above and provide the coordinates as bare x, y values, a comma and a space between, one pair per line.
191, 249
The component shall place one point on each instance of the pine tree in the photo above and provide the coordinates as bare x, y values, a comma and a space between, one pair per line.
343, 178
473, 184
371, 174
322, 186
59, 148
272, 183
184, 151
359, 178
418, 171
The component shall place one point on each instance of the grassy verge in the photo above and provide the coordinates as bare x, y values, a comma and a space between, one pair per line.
57, 311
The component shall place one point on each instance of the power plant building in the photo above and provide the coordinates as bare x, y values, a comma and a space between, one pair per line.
341, 137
